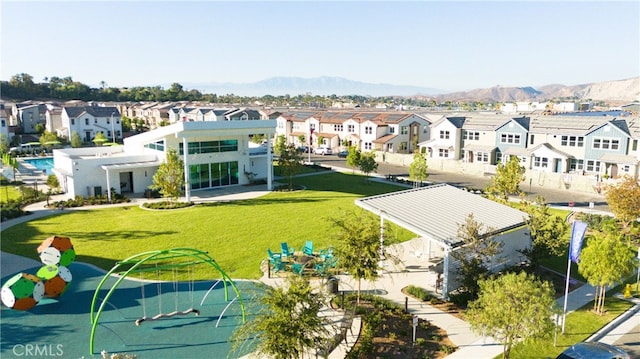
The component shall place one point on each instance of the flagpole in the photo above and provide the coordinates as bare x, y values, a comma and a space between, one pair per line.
578, 230
566, 291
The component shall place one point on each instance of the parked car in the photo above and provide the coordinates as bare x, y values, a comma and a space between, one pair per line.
593, 350
303, 149
343, 154
323, 150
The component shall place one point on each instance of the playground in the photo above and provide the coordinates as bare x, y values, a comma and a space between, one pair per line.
63, 326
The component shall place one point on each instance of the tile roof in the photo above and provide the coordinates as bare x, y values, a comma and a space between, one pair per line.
385, 138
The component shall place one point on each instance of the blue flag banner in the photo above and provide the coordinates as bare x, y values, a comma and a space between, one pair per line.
577, 235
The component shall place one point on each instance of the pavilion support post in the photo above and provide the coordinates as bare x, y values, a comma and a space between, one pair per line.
445, 273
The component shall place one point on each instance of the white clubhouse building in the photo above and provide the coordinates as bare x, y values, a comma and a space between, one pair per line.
219, 153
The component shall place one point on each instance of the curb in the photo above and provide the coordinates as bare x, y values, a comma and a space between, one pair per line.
597, 336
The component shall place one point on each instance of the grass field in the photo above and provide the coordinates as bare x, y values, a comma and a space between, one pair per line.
9, 192
580, 325
236, 234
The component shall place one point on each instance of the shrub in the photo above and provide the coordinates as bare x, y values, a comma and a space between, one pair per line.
419, 293
11, 209
167, 205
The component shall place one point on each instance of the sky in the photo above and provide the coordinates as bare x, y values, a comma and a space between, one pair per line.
446, 45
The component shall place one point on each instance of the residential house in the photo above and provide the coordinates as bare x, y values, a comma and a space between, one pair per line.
510, 139
4, 123
87, 121
243, 114
393, 131
159, 114
29, 115
367, 130
295, 128
557, 143
478, 140
446, 138
609, 150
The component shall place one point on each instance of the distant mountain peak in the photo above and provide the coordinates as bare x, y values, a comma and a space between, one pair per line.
323, 85
627, 90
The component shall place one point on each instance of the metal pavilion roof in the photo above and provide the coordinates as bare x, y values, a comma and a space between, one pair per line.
436, 212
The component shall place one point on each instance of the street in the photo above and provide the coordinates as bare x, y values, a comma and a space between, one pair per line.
554, 197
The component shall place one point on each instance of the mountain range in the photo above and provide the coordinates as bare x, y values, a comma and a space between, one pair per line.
618, 91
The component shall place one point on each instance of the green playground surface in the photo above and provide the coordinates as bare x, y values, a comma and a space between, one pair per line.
61, 327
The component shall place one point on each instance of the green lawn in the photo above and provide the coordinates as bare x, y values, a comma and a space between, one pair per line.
580, 325
9, 192
236, 234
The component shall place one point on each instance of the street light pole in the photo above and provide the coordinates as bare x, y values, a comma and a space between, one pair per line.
113, 132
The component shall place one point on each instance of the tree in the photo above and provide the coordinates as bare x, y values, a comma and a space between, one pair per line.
39, 128
289, 323
418, 169
291, 162
605, 261
281, 145
474, 255
46, 138
367, 163
624, 200
169, 179
546, 231
512, 307
10, 161
76, 140
4, 143
52, 184
353, 158
99, 139
507, 180
359, 249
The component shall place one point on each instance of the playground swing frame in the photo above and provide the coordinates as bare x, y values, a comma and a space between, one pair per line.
137, 260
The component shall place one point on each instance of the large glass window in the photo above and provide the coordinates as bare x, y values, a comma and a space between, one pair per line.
210, 147
158, 145
199, 176
208, 175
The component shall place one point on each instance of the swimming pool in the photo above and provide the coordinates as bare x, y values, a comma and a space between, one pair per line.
44, 164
